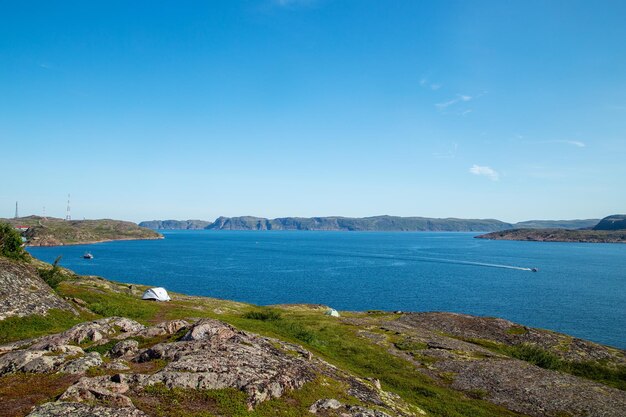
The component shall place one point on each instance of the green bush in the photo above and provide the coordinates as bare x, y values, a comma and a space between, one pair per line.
263, 315
537, 356
11, 242
53, 276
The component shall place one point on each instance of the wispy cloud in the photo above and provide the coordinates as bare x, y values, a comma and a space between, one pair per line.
485, 171
576, 143
460, 98
424, 82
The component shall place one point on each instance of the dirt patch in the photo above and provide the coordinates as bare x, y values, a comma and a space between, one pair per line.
19, 393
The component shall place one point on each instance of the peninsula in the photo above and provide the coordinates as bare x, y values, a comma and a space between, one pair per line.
50, 231
611, 229
375, 223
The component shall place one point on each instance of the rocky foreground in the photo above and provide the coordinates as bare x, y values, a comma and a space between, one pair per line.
101, 351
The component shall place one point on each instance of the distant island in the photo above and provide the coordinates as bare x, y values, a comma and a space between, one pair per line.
40, 231
375, 223
611, 229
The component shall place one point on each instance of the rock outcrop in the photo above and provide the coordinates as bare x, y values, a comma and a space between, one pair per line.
210, 355
440, 346
24, 293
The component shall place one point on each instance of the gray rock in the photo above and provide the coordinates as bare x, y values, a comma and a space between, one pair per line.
16, 361
104, 388
325, 404
126, 347
208, 329
163, 329
95, 331
82, 364
116, 365
214, 355
24, 293
64, 409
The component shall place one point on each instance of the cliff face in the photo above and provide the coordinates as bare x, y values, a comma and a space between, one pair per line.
614, 222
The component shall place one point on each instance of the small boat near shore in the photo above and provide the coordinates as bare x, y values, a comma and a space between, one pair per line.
87, 255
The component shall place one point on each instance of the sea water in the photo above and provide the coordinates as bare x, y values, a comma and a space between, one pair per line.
580, 289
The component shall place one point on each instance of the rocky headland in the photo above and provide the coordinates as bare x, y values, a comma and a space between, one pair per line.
52, 231
611, 229
92, 347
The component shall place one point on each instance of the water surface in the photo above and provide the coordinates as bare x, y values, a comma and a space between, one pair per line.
580, 289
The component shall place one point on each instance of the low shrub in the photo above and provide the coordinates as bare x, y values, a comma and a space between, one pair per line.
11, 243
52, 276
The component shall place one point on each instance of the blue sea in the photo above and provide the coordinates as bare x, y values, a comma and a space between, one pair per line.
580, 289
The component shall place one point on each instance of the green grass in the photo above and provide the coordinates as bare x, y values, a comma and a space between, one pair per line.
263, 315
18, 328
408, 345
517, 330
595, 371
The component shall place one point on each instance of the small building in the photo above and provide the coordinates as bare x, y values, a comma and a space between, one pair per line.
22, 228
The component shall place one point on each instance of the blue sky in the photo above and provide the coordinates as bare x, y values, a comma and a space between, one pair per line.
150, 110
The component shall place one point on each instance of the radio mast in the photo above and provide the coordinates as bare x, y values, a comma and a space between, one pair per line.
67, 212
16, 215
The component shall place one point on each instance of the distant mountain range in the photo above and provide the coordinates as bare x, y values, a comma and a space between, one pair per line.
376, 223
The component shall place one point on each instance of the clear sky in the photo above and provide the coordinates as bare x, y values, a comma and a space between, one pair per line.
179, 109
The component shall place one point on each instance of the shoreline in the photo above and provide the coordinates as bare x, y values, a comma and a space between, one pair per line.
28, 245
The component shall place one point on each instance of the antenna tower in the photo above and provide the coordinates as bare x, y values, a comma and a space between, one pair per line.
16, 215
67, 212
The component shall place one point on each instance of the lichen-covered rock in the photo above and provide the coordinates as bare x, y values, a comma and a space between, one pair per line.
534, 391
214, 355
94, 331
126, 347
82, 364
24, 293
325, 404
164, 328
64, 409
102, 388
209, 329
344, 410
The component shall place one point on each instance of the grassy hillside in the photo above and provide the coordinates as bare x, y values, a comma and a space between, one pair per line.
53, 231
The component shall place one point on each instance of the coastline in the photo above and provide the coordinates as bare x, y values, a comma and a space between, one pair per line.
94, 242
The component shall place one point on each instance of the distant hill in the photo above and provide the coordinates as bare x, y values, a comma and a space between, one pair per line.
557, 224
175, 224
614, 222
53, 231
375, 223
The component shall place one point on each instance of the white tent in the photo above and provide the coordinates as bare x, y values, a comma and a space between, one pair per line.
157, 294
332, 312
